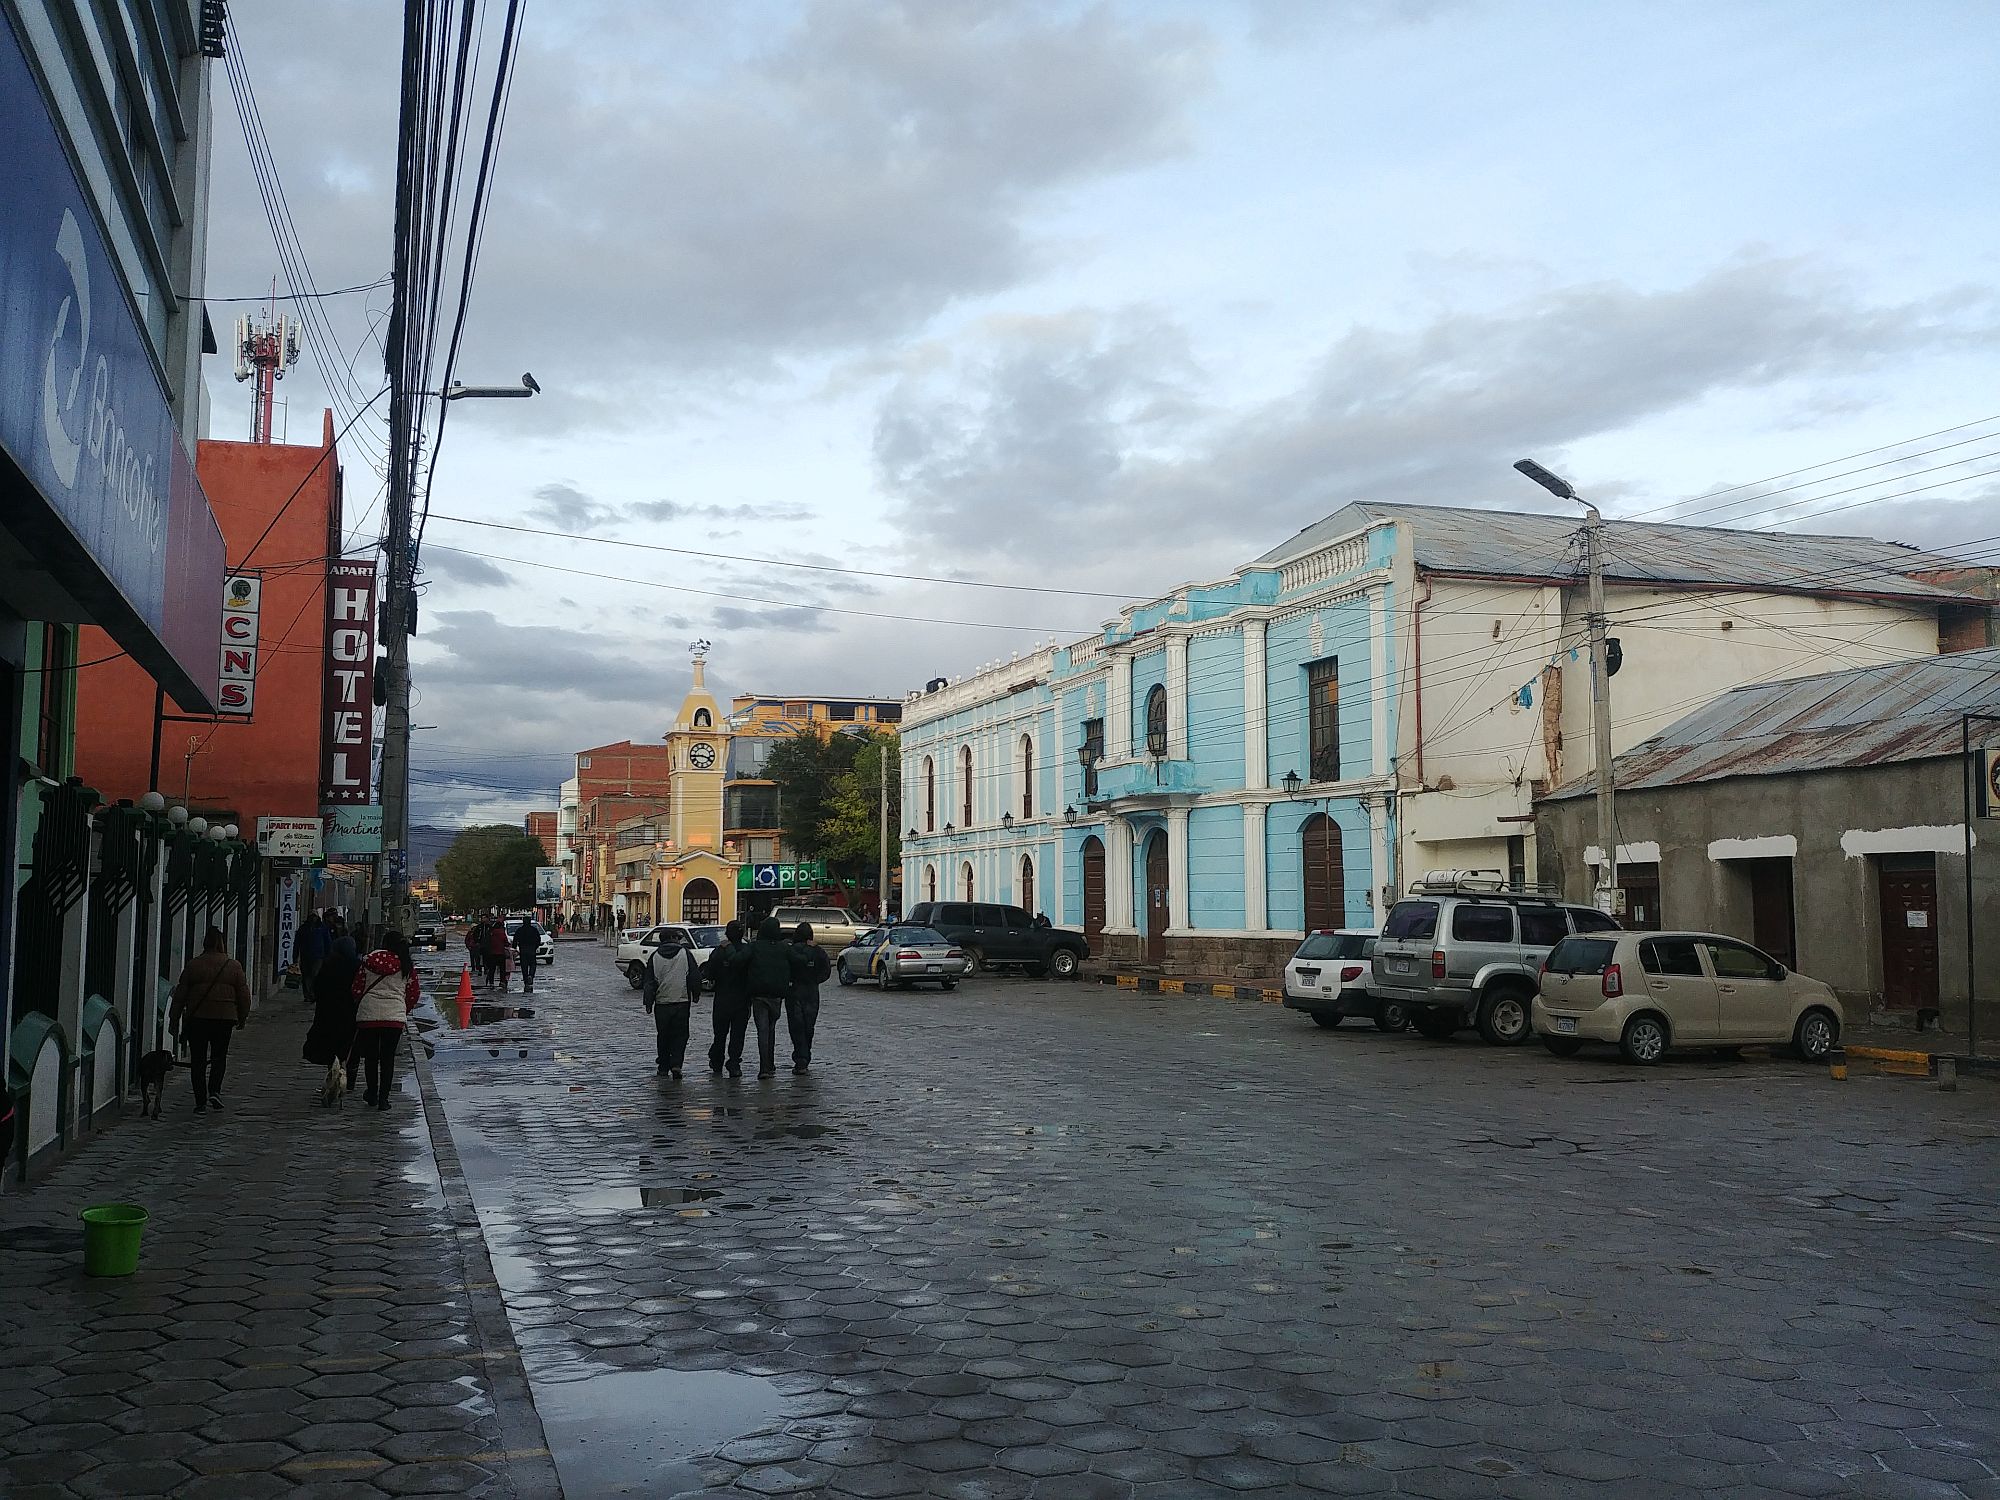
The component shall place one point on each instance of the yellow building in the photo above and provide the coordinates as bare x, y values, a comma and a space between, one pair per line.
694, 874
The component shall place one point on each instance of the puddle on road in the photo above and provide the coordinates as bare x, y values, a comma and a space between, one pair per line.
639, 1432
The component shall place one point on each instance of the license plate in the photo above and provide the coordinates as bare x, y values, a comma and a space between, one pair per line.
1309, 976
1400, 965
1565, 1025
934, 968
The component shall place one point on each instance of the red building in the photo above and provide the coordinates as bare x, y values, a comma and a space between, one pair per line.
280, 511
542, 826
614, 782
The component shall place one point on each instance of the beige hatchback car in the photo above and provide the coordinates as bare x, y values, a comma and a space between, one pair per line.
1649, 991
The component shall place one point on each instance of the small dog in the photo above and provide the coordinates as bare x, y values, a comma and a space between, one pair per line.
330, 1092
153, 1070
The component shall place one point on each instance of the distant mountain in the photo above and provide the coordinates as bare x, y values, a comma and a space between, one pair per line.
427, 845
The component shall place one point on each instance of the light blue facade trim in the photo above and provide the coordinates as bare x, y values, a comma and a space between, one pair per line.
1215, 868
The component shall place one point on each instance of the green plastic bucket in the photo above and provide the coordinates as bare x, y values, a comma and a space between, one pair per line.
111, 1239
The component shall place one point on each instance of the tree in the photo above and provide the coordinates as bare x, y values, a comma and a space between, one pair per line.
829, 798
492, 865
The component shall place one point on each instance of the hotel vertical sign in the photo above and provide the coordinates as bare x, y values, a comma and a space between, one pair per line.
348, 693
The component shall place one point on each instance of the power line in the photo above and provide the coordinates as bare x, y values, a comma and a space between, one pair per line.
780, 562
339, 291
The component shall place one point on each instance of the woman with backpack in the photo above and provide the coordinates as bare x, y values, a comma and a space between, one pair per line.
385, 992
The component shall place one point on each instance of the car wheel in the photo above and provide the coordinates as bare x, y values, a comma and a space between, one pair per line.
1503, 1016
840, 973
1390, 1016
1644, 1041
636, 973
882, 979
1063, 964
1434, 1024
1562, 1046
1817, 1034
975, 961
1321, 1018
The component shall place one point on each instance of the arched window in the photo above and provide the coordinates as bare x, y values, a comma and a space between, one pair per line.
1027, 776
701, 902
930, 882
701, 718
965, 781
930, 798
1156, 720
966, 873
1026, 894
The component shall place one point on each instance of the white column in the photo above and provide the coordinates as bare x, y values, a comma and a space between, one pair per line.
1117, 875
1256, 758
1118, 711
1177, 704
149, 1018
70, 983
1255, 915
1378, 680
1177, 868
1056, 903
1382, 883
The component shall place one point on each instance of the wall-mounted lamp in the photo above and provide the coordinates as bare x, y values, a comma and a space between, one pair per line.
1069, 814
1007, 820
1292, 783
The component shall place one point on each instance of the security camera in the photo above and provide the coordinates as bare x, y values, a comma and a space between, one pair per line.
529, 382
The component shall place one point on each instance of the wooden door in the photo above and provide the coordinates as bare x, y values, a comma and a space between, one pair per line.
1909, 932
1771, 909
1157, 876
1642, 896
1325, 882
1093, 892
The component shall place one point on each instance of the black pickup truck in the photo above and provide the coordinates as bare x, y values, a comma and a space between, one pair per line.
1002, 937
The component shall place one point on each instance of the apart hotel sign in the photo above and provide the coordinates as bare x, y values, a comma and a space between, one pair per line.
114, 524
348, 690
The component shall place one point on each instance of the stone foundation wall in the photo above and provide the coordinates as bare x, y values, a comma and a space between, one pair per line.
1214, 957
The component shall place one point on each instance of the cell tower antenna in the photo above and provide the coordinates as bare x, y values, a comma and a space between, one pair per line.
266, 347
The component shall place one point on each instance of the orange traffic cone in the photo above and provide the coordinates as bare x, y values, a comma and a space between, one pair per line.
464, 997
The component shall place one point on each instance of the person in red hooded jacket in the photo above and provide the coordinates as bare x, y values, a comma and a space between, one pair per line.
385, 992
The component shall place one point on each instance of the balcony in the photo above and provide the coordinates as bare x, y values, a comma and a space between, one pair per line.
1145, 777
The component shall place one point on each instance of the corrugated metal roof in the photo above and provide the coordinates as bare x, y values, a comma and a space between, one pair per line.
1868, 716
1512, 544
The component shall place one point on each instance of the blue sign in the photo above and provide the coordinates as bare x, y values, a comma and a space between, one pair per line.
117, 515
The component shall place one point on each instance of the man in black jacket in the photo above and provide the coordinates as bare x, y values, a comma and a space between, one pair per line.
731, 1010
771, 968
810, 970
528, 950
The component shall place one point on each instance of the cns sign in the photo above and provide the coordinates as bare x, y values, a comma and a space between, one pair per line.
1989, 783
242, 600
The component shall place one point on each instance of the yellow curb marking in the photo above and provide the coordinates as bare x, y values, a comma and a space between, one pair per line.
1892, 1055
1173, 987
1128, 981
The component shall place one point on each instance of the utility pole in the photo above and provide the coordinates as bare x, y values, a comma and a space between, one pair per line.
1600, 712
882, 804
1600, 679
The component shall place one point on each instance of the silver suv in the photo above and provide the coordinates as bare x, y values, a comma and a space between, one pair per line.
1464, 950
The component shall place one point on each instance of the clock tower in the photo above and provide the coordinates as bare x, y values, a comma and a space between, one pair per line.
697, 747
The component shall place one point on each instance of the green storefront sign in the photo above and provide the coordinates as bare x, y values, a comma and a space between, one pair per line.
803, 876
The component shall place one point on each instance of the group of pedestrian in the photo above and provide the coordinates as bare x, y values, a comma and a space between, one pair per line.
489, 947
753, 982
315, 940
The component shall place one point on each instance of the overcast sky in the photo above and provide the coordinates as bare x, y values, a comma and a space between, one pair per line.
1106, 297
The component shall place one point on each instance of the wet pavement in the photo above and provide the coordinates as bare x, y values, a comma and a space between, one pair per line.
1033, 1239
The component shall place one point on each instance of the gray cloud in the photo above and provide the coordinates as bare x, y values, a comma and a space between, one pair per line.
1058, 434
568, 508
787, 621
676, 510
450, 564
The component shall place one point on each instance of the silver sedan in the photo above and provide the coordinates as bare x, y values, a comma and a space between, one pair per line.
896, 956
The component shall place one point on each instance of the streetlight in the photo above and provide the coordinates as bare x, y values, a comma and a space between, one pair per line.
1292, 783
1600, 679
458, 391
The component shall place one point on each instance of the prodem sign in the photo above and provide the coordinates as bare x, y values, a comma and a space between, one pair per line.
349, 689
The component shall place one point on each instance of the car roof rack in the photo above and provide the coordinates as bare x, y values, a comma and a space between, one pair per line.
1479, 883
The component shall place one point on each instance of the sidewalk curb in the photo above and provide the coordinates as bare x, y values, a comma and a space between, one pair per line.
1901, 1058
530, 1470
1154, 984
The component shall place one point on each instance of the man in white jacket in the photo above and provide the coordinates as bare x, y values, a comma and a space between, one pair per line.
669, 987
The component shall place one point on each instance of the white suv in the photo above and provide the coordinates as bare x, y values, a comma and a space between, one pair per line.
639, 942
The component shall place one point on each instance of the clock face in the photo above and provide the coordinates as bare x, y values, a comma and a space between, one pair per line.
701, 756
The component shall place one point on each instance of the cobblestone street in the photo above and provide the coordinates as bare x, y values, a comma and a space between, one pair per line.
1044, 1239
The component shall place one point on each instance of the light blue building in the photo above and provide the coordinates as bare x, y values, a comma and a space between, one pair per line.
1192, 787
1386, 693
